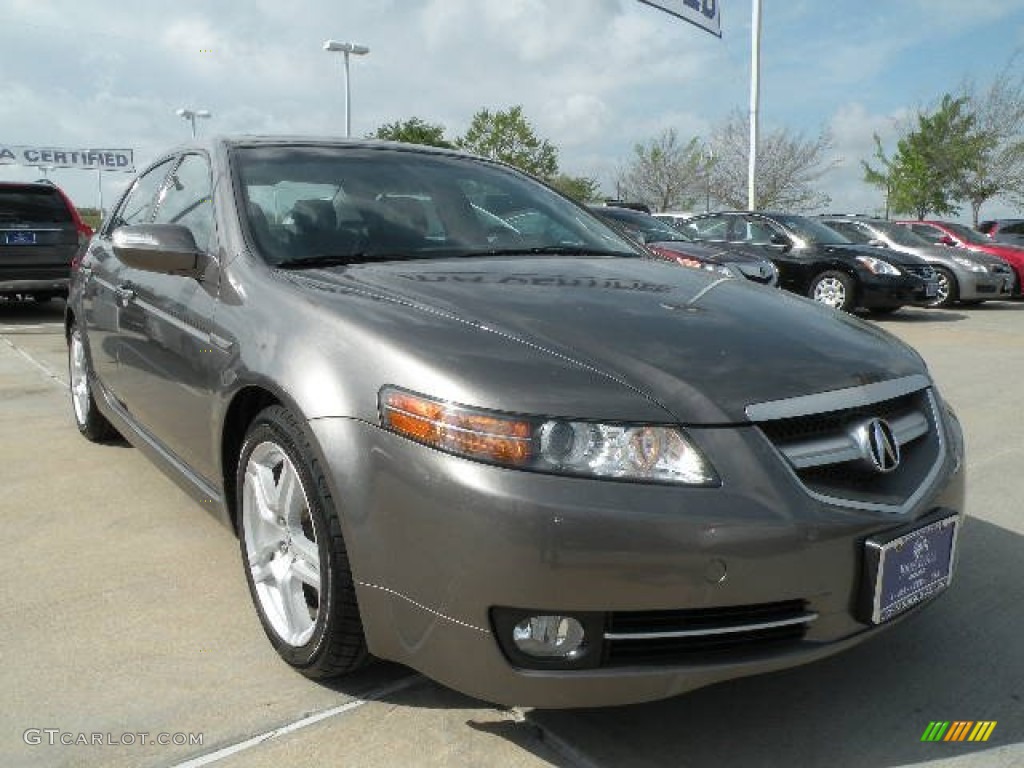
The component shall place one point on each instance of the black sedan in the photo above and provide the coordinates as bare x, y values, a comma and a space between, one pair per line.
534, 462
670, 243
816, 261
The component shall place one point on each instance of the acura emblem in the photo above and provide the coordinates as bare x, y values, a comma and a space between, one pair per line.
878, 445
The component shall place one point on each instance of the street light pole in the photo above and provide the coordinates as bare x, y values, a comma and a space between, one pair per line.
347, 49
755, 95
709, 158
191, 115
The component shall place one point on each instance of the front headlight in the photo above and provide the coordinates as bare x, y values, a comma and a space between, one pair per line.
638, 452
878, 267
969, 264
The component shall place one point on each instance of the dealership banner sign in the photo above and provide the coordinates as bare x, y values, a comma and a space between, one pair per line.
706, 14
86, 159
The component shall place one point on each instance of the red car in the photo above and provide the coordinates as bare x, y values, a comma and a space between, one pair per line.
960, 236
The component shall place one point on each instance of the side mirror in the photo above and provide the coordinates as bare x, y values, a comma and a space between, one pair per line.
876, 243
780, 243
168, 249
947, 240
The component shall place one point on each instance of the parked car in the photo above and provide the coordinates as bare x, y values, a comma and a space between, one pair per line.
1010, 231
953, 235
968, 278
40, 233
544, 469
816, 261
668, 242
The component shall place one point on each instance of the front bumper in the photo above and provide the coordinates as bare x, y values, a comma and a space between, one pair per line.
883, 291
980, 286
438, 542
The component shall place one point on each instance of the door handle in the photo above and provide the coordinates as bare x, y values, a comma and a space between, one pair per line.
124, 295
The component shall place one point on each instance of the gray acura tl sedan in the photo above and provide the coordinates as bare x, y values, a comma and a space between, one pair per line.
535, 463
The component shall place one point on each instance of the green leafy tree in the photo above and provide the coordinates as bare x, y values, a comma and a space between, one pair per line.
788, 167
665, 173
413, 131
928, 172
582, 189
508, 136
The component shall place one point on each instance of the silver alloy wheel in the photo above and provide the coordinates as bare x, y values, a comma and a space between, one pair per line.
280, 544
942, 293
79, 377
830, 291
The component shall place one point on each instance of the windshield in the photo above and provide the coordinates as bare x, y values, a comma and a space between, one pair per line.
331, 204
968, 235
900, 235
810, 231
653, 230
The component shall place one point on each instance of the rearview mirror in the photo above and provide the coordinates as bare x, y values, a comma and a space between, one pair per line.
168, 249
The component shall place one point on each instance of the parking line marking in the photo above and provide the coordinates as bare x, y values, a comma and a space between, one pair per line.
255, 741
47, 370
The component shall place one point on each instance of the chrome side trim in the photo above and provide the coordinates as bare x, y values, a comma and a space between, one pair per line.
731, 630
836, 400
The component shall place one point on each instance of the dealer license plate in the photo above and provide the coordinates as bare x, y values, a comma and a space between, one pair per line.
910, 568
20, 238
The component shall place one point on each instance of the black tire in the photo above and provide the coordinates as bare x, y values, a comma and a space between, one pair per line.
834, 289
329, 641
949, 289
92, 424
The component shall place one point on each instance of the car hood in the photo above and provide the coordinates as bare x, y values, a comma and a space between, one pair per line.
704, 349
886, 254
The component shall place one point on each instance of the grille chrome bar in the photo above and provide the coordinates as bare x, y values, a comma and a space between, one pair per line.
730, 630
841, 448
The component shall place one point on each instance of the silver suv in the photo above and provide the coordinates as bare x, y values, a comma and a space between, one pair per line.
969, 278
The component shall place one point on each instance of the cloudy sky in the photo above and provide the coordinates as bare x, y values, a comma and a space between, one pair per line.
593, 76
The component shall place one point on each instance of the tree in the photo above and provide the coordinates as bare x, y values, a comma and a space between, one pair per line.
582, 189
928, 172
664, 173
508, 137
788, 166
413, 131
997, 171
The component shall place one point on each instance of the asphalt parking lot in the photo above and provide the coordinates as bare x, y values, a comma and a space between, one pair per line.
125, 619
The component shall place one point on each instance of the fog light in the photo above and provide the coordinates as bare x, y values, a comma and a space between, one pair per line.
549, 636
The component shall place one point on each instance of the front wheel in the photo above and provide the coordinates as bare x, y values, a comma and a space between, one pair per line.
295, 559
90, 422
834, 289
948, 291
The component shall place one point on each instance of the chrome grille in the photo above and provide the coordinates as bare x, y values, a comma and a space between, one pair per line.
923, 271
703, 634
827, 452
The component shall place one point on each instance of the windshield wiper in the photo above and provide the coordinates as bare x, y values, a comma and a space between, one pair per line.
553, 250
342, 259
